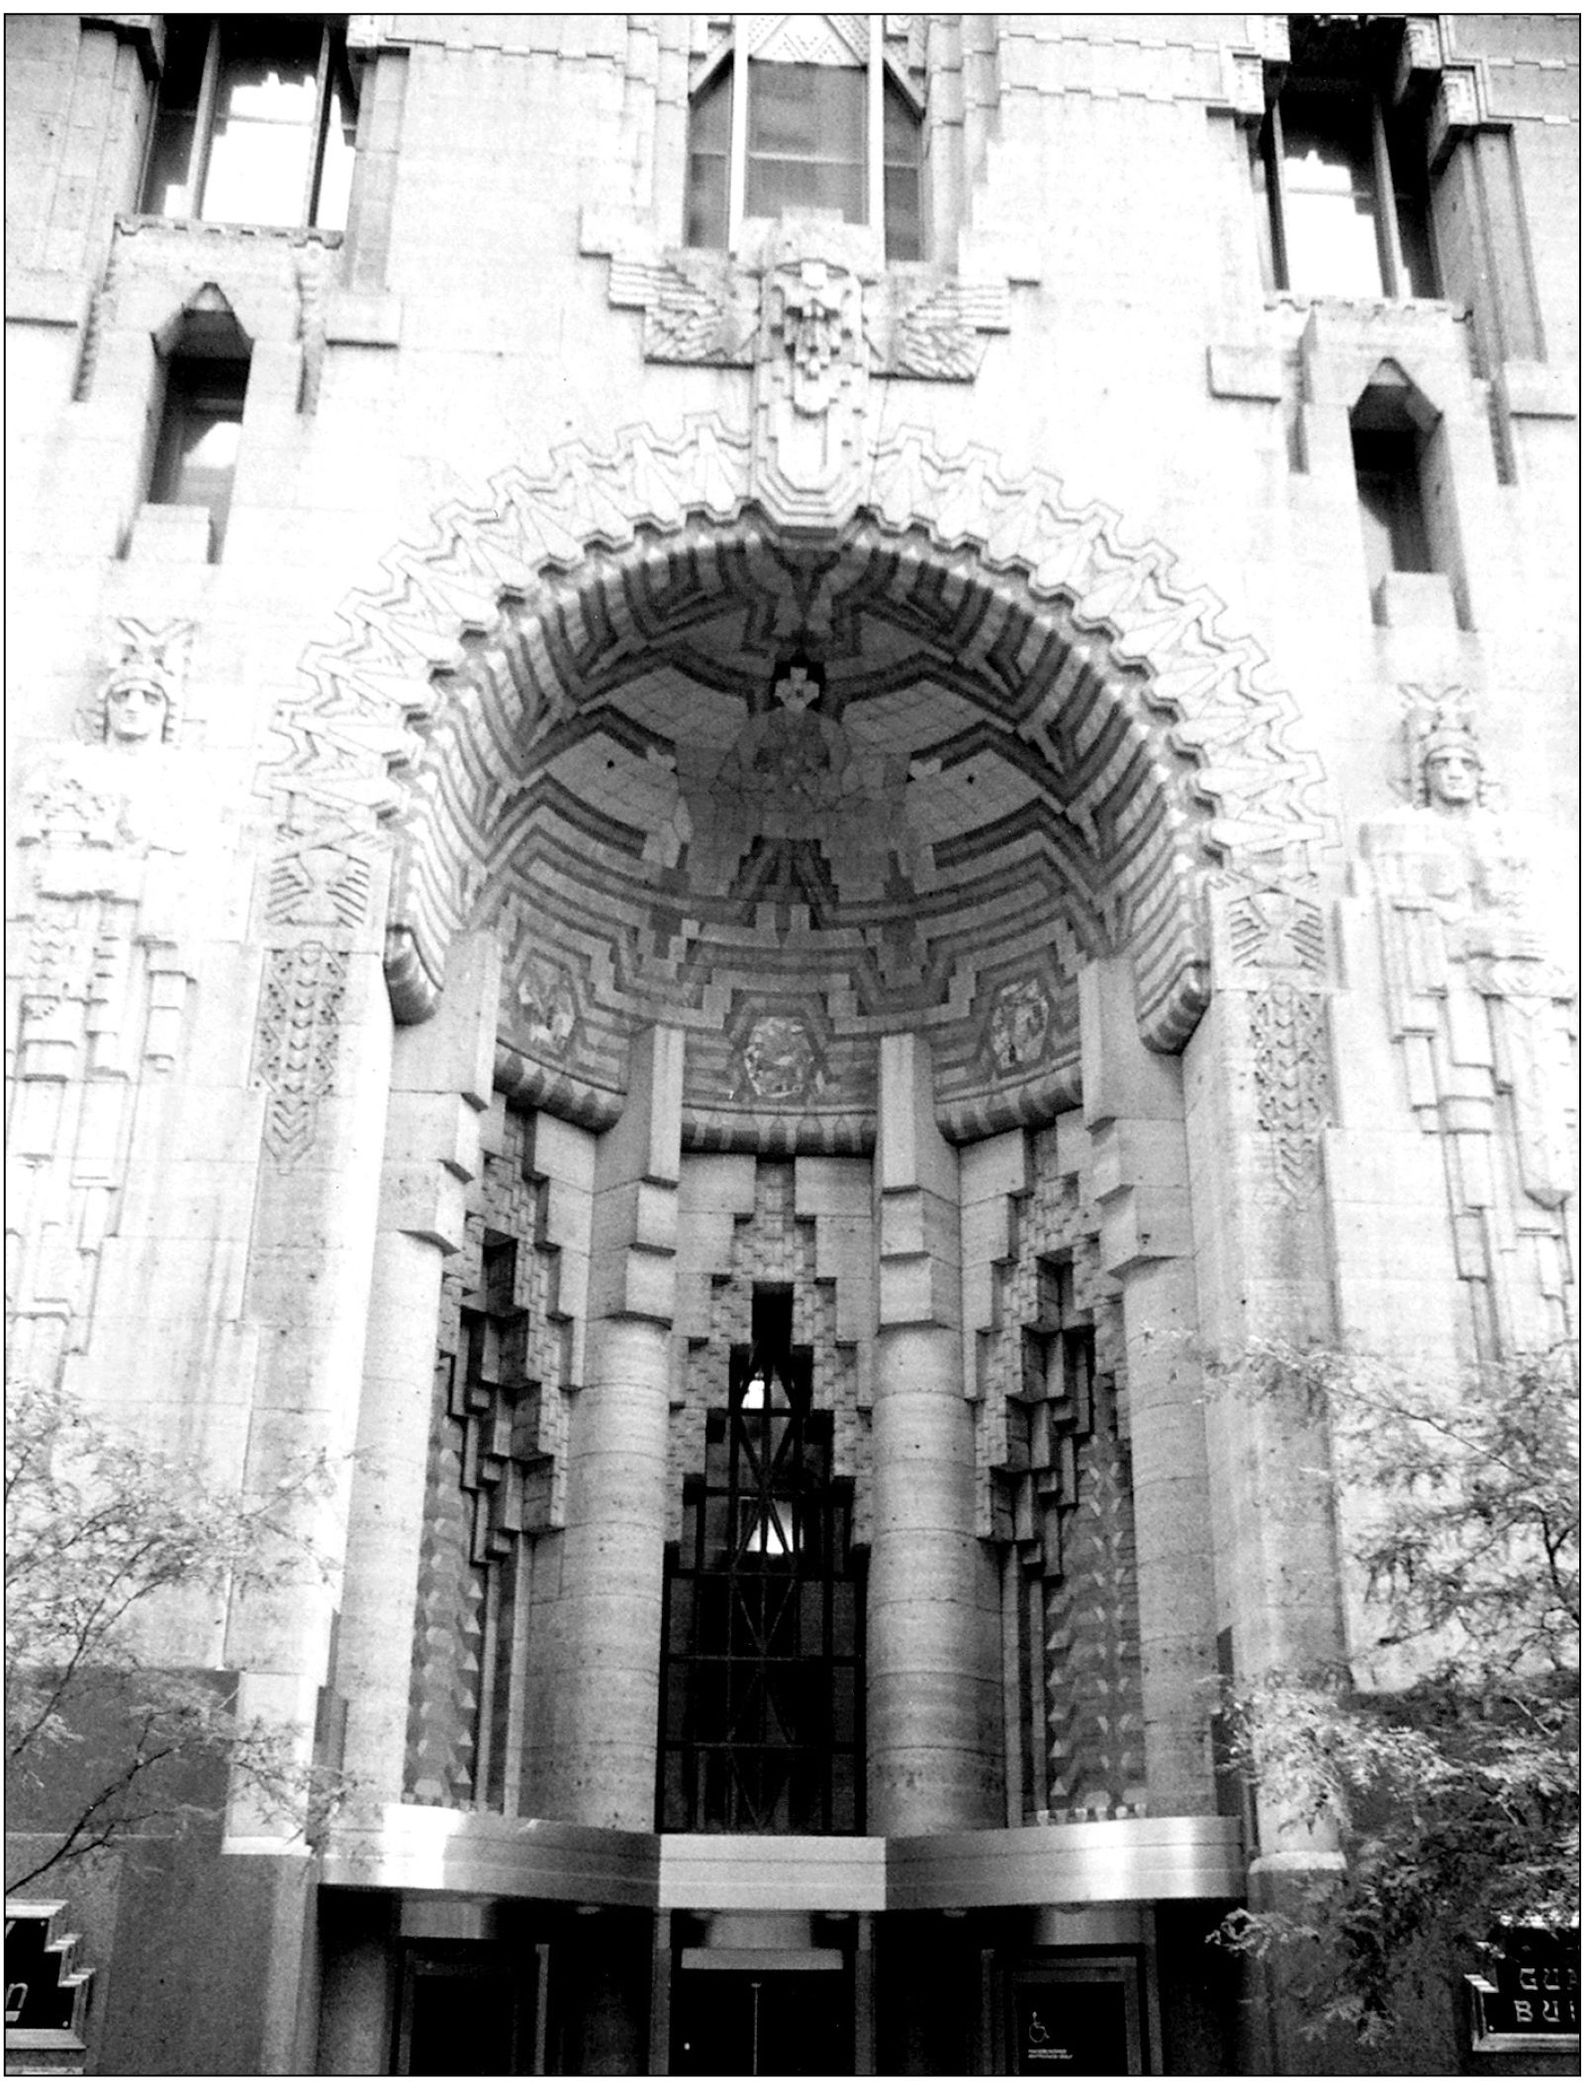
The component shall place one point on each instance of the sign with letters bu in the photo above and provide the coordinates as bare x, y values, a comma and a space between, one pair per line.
1531, 2003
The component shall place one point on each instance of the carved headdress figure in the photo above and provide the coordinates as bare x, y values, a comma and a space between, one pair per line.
1445, 769
139, 704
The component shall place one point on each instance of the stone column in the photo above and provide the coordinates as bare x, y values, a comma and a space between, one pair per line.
1134, 1107
934, 1670
442, 1082
1257, 1087
595, 1706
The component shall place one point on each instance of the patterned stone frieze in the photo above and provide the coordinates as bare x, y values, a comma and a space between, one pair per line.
774, 1245
296, 1042
1289, 1056
1056, 1486
496, 1479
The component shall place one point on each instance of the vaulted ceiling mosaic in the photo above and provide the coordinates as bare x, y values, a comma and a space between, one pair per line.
792, 800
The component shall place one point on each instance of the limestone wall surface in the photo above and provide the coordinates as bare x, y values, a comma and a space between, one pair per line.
482, 425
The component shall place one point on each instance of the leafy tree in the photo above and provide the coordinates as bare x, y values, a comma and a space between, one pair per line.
101, 1743
1448, 1762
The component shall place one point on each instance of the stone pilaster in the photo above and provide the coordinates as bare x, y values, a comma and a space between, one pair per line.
933, 1664
1134, 1108
1257, 1087
442, 1083
595, 1698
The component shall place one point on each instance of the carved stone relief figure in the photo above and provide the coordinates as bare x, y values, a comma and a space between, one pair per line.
811, 373
96, 984
139, 704
1482, 1015
792, 774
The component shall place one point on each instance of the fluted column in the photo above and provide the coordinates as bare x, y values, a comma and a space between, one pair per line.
595, 1701
933, 1659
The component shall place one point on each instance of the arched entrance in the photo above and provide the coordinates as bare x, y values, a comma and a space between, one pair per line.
825, 895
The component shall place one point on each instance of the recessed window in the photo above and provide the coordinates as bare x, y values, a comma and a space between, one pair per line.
1389, 489
805, 144
904, 222
708, 167
1339, 172
255, 123
1406, 498
196, 456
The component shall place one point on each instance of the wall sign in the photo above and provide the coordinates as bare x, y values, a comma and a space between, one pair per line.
46, 1992
1075, 2017
1531, 2004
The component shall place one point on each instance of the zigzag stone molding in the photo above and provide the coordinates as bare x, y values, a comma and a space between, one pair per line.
1193, 773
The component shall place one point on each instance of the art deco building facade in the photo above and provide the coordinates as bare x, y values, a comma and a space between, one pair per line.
761, 764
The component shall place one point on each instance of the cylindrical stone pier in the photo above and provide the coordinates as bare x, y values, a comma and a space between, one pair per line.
933, 1660
601, 1707
595, 1700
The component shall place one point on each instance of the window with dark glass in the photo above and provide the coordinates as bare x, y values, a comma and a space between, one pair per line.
904, 222
762, 1674
255, 122
1389, 489
1339, 172
196, 454
708, 170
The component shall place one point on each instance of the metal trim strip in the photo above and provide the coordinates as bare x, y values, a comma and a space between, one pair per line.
441, 1849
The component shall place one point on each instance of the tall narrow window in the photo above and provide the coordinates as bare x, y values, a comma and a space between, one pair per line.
196, 456
803, 138
904, 220
708, 172
255, 123
761, 1701
1394, 534
1404, 491
1339, 171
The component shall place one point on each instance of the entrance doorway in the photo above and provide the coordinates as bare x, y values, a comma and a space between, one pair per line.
761, 2021
466, 2010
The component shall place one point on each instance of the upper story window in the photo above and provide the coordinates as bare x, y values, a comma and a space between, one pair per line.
206, 373
1340, 173
255, 122
830, 129
201, 423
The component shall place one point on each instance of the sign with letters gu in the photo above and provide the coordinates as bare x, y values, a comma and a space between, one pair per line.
1531, 2004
